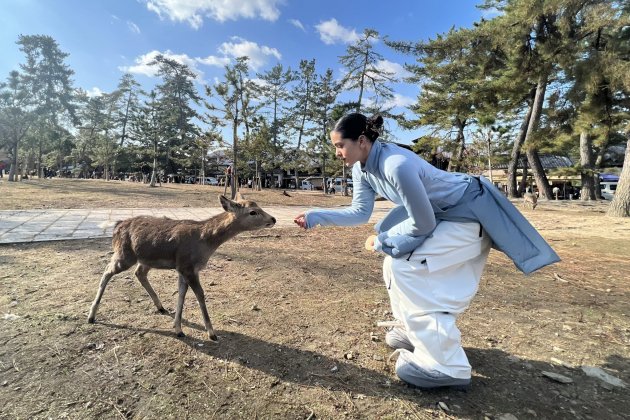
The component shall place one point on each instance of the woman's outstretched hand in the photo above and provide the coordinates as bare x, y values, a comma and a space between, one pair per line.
369, 243
300, 220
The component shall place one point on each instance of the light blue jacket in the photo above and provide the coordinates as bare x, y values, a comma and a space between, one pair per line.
426, 195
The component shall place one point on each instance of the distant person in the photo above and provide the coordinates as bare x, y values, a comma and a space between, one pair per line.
556, 192
437, 240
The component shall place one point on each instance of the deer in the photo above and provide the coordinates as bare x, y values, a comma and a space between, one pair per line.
530, 200
183, 245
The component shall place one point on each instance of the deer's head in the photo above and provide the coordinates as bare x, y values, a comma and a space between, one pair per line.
249, 216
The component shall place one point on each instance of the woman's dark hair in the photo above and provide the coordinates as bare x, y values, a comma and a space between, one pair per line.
353, 125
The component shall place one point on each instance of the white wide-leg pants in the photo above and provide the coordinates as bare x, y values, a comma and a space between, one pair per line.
430, 289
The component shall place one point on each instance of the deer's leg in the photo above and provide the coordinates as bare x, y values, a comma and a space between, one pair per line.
193, 282
115, 266
183, 288
141, 274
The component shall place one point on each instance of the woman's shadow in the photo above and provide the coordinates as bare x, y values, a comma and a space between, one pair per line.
501, 382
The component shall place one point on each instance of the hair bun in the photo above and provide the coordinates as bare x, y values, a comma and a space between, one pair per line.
373, 126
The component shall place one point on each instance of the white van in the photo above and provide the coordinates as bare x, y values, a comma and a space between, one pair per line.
210, 180
339, 187
608, 189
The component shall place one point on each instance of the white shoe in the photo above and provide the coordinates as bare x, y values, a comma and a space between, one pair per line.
396, 338
413, 374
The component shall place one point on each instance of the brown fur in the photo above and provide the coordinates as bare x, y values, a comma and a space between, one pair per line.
183, 245
530, 200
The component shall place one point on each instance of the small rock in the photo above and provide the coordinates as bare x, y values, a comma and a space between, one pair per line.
100, 346
598, 373
567, 328
374, 337
5, 383
378, 358
531, 412
228, 259
443, 406
11, 317
334, 369
255, 308
507, 416
212, 283
557, 377
348, 356
13, 303
258, 268
88, 404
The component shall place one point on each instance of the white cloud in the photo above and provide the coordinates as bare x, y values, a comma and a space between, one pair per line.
213, 60
490, 13
193, 11
133, 27
297, 24
143, 66
91, 93
397, 70
331, 32
400, 101
258, 54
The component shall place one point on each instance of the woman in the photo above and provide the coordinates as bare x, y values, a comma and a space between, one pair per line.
437, 240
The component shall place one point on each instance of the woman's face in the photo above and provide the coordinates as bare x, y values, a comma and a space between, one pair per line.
350, 151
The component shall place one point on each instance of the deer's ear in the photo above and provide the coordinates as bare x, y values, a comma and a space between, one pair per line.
226, 203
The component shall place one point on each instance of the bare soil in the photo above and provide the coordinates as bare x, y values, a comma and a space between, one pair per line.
295, 312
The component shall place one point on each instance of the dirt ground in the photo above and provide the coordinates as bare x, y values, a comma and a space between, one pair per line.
295, 312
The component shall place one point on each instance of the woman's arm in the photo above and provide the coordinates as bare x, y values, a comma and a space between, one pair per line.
358, 213
421, 219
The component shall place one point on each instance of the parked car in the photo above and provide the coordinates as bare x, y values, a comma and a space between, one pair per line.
306, 185
210, 180
608, 189
338, 186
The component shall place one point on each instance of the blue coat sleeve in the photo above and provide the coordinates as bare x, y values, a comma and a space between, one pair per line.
358, 213
421, 218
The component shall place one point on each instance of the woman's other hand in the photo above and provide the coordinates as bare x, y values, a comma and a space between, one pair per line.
369, 243
300, 220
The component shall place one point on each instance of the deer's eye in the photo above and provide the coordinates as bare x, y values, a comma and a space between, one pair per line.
252, 213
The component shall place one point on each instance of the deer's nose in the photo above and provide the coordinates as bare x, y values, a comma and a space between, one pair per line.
273, 219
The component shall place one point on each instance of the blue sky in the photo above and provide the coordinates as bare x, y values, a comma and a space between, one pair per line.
105, 38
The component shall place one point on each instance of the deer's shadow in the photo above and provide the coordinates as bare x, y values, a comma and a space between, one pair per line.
500, 381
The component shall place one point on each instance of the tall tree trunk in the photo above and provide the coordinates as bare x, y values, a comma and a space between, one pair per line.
154, 171
14, 164
523, 185
538, 171
516, 150
586, 172
532, 154
40, 171
234, 180
620, 205
455, 164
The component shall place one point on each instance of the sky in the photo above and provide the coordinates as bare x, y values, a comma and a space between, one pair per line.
106, 38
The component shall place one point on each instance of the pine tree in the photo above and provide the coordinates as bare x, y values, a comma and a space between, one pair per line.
176, 95
49, 81
362, 71
303, 97
16, 117
325, 93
